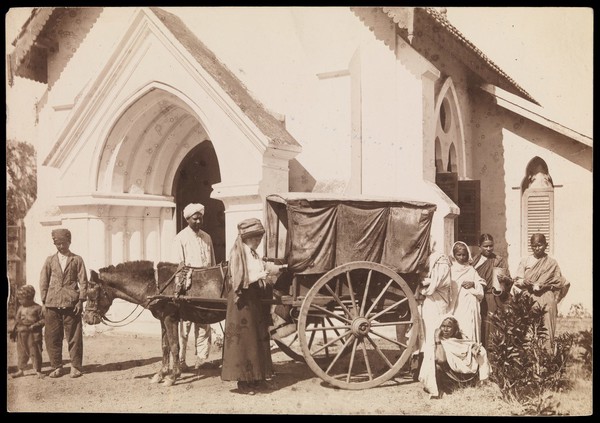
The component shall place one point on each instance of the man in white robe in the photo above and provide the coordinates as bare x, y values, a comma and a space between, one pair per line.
194, 248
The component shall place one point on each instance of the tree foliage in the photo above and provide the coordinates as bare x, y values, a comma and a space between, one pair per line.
21, 180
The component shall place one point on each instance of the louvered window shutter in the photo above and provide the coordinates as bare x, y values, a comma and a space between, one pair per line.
538, 217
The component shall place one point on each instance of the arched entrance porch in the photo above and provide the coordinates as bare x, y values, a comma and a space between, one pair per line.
156, 160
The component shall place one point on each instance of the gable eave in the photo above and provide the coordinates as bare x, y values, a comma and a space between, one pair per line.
25, 42
508, 101
418, 22
270, 126
142, 23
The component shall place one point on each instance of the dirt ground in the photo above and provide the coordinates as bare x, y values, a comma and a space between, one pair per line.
118, 368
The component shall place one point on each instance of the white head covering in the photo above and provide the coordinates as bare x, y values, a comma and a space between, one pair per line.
192, 208
464, 245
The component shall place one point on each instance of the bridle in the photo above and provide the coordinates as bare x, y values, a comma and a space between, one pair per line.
98, 295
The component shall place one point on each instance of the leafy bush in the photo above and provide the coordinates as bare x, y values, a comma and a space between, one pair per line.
526, 366
584, 341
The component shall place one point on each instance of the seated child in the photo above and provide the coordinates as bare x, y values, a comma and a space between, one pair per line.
27, 331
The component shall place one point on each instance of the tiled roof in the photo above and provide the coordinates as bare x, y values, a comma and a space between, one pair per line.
26, 63
25, 41
485, 67
267, 123
37, 43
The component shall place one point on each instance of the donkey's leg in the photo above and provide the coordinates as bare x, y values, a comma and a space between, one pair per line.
172, 328
158, 377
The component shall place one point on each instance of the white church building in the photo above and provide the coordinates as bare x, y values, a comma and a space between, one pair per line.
148, 109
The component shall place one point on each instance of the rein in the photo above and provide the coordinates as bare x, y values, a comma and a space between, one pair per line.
115, 323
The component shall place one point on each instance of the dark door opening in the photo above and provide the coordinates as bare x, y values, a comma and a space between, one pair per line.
194, 179
466, 195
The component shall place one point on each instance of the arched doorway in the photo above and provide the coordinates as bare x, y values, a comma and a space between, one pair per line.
193, 182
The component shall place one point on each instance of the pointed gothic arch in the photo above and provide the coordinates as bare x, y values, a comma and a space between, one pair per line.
152, 133
449, 127
450, 162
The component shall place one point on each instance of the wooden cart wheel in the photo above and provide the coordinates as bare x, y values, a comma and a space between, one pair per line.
288, 343
290, 346
370, 325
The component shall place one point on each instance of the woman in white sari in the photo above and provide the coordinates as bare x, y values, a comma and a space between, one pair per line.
454, 362
467, 292
436, 290
436, 304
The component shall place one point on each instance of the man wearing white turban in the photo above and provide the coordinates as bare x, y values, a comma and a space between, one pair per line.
194, 248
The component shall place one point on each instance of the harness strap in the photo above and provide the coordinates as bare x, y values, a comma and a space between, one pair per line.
224, 288
181, 266
105, 319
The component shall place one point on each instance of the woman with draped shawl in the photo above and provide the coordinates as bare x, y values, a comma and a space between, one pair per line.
540, 276
454, 362
436, 290
467, 290
494, 270
247, 346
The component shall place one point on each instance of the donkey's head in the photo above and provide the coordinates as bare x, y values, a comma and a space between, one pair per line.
98, 301
131, 281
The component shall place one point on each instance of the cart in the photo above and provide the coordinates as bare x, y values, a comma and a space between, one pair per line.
353, 266
345, 304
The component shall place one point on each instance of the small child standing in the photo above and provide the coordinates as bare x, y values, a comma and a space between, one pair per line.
27, 331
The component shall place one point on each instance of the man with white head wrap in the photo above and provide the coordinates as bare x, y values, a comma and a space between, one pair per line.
194, 248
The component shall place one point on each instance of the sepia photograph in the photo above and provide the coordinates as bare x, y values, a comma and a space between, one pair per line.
343, 210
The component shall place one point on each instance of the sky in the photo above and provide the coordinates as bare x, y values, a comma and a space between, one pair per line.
547, 51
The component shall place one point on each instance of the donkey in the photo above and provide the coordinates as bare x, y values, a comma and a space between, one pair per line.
135, 282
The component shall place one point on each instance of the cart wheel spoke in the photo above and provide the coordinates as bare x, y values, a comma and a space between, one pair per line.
336, 328
381, 354
350, 322
383, 291
366, 293
351, 289
340, 303
366, 358
400, 344
289, 344
331, 313
312, 337
336, 358
325, 340
332, 342
351, 360
385, 310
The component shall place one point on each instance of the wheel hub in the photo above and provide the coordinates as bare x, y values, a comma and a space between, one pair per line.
360, 326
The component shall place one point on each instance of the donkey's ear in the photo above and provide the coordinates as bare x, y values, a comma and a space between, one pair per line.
93, 276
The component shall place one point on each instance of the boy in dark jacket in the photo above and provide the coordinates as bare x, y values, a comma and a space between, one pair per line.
63, 287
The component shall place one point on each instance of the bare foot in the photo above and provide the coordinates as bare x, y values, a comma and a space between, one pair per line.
18, 373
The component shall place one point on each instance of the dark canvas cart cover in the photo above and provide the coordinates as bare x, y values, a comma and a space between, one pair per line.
325, 231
